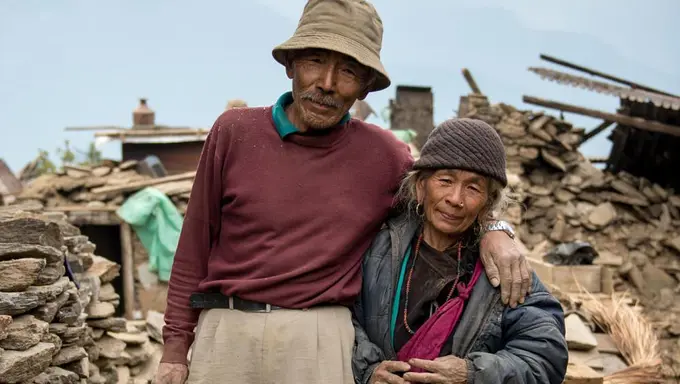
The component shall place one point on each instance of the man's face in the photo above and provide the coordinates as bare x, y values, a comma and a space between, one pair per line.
325, 86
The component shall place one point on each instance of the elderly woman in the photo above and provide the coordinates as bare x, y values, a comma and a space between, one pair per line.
427, 312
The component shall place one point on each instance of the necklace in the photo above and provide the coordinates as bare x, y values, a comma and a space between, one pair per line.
410, 275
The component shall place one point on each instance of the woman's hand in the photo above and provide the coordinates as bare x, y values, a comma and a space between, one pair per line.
443, 370
385, 373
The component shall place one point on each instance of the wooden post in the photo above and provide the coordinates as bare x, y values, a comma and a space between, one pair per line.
471, 81
596, 131
128, 264
635, 122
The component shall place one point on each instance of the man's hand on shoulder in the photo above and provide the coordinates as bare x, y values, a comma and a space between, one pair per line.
506, 266
171, 373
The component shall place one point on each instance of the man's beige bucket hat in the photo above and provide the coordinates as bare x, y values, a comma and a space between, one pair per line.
350, 27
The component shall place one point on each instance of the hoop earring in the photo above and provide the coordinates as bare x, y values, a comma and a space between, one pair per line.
420, 211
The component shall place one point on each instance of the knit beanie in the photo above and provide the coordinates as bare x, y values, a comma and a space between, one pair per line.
466, 144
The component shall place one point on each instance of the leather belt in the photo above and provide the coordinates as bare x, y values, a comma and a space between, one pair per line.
217, 300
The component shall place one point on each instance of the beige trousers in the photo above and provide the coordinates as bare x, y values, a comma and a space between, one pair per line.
311, 346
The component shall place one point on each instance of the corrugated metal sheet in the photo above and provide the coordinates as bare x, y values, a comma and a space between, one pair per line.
9, 184
637, 95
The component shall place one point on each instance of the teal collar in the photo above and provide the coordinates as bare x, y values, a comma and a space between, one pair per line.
283, 125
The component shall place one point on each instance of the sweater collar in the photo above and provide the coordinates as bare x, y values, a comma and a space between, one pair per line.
283, 125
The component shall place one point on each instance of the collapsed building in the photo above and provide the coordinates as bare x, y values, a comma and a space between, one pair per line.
605, 231
609, 232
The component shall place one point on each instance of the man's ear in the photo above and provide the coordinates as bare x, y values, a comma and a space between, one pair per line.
290, 65
289, 70
369, 84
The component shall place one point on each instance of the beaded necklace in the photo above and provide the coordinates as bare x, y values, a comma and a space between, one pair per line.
410, 274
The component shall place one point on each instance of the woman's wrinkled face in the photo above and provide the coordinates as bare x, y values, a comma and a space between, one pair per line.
452, 199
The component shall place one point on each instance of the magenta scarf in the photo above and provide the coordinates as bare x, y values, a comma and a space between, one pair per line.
429, 339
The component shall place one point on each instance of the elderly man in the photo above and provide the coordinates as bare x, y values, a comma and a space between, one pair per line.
286, 200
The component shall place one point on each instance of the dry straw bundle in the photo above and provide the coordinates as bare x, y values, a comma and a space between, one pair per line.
634, 337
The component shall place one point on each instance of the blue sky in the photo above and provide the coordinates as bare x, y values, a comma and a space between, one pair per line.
74, 63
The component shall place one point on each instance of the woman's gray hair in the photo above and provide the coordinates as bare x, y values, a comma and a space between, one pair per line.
496, 204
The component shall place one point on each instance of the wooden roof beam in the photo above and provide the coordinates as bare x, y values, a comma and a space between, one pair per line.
636, 122
603, 75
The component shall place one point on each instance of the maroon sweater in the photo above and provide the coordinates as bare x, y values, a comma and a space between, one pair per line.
283, 221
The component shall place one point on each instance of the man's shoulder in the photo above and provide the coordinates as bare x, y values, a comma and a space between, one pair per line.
246, 118
380, 136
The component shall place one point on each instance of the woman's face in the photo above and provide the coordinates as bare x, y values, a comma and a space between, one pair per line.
452, 199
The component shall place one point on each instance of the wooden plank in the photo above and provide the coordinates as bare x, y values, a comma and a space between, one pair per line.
128, 264
93, 218
636, 122
153, 132
602, 74
571, 278
543, 270
144, 183
81, 208
94, 128
568, 278
598, 159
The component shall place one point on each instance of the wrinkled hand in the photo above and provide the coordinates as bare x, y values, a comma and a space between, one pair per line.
507, 266
384, 373
443, 370
171, 373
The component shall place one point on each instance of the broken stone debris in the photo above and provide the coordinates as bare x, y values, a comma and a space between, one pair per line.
51, 330
80, 186
632, 223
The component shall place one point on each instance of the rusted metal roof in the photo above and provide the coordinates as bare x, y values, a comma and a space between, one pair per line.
9, 184
638, 95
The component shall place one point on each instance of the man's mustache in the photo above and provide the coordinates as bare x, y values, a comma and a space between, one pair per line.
320, 99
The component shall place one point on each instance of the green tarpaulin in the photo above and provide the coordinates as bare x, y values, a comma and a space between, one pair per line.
157, 223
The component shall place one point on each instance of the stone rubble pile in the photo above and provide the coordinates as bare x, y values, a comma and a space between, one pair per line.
57, 330
82, 186
632, 223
